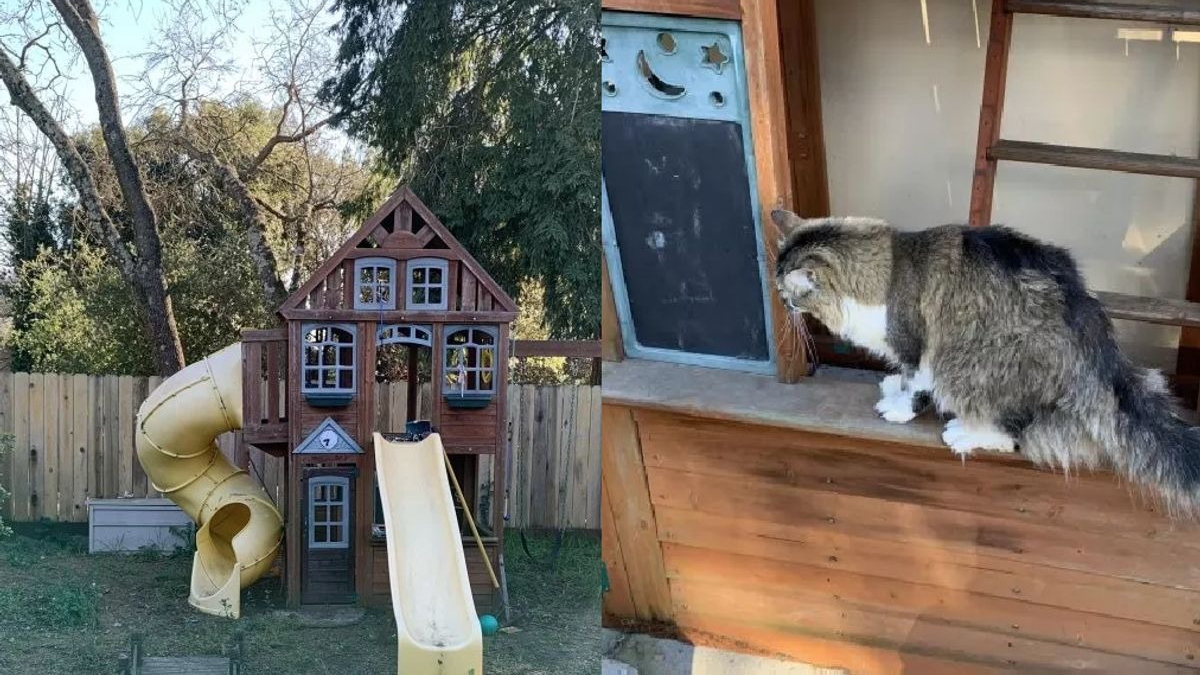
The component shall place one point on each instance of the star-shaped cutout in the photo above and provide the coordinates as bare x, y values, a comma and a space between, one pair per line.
713, 57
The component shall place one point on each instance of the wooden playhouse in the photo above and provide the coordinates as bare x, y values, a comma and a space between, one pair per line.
749, 507
400, 290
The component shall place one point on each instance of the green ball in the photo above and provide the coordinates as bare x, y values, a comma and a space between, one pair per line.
489, 624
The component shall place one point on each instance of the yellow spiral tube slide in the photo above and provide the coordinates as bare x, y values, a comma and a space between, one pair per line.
240, 531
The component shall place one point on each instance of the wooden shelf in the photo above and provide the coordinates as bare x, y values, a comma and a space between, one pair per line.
1151, 310
1189, 14
1095, 158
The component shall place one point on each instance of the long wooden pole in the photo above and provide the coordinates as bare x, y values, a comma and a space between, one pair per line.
470, 519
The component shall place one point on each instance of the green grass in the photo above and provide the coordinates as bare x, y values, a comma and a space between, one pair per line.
63, 611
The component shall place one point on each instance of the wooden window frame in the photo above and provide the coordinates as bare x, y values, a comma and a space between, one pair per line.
320, 367
375, 264
410, 284
447, 369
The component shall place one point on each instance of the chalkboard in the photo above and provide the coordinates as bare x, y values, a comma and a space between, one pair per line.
679, 196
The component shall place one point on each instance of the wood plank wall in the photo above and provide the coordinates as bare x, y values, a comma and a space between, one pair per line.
883, 559
72, 438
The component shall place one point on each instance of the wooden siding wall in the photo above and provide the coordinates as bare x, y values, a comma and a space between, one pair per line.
465, 292
73, 439
883, 559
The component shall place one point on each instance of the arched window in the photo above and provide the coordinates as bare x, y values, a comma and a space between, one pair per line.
470, 363
404, 333
427, 280
376, 279
328, 359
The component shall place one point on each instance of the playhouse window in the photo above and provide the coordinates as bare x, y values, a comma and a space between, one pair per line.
470, 360
427, 278
329, 512
329, 358
376, 283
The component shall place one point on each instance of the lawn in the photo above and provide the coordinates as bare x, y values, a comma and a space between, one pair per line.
65, 612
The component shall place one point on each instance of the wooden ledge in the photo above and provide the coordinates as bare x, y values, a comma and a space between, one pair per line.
836, 401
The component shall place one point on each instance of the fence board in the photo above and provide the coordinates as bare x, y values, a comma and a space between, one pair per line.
124, 445
80, 430
48, 490
6, 427
19, 476
73, 439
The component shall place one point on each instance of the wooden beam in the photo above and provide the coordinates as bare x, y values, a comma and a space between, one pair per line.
269, 335
576, 349
995, 70
1187, 360
768, 124
802, 91
712, 9
1151, 310
1188, 14
612, 347
623, 476
394, 316
1095, 158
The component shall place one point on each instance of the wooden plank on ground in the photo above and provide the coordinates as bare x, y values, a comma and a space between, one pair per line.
21, 481
80, 447
624, 476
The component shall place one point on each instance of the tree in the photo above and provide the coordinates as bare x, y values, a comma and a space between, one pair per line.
137, 255
490, 109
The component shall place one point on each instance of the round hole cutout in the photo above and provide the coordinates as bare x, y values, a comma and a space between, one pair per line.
609, 87
716, 98
666, 42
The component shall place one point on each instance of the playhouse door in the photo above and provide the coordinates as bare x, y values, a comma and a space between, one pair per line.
328, 561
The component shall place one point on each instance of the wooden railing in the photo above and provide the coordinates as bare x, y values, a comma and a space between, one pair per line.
264, 386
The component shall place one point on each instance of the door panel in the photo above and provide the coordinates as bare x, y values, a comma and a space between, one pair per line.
328, 557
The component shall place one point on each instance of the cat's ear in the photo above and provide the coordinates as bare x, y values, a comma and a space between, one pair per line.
786, 222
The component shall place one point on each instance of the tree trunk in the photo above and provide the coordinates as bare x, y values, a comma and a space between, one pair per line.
83, 23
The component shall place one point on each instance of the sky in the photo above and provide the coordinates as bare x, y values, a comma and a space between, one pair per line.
128, 27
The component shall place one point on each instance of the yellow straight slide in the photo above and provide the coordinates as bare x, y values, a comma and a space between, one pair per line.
437, 629
240, 530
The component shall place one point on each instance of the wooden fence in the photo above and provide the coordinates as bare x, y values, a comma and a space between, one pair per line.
72, 439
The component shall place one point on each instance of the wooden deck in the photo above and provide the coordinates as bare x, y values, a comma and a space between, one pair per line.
788, 520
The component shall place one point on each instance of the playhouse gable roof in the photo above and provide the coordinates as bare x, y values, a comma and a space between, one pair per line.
403, 228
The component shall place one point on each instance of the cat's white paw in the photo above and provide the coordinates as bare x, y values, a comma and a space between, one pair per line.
963, 438
897, 408
891, 386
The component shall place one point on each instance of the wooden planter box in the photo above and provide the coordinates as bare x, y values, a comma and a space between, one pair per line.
789, 520
128, 525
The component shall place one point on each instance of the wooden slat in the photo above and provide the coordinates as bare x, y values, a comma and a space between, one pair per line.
594, 487
467, 291
274, 359
624, 478
612, 347
51, 406
1187, 15
769, 130
712, 9
452, 272
802, 86
20, 461
617, 601
797, 590
577, 495
141, 482
995, 69
6, 427
1150, 310
1095, 158
81, 450
126, 407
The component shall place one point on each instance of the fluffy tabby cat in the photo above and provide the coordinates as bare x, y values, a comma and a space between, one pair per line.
998, 330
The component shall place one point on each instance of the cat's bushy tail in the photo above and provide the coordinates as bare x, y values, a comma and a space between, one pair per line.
1122, 416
